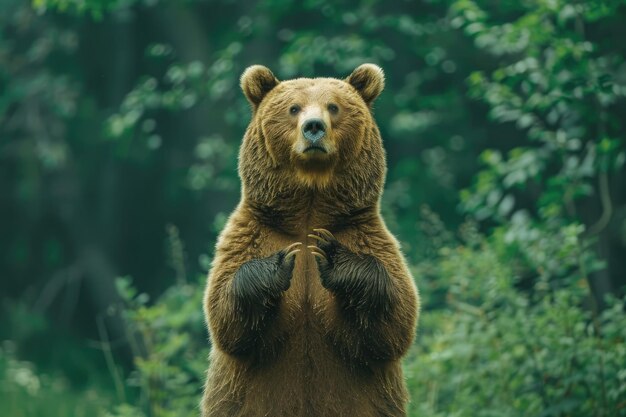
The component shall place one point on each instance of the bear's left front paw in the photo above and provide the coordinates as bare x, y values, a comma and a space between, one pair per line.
325, 249
327, 252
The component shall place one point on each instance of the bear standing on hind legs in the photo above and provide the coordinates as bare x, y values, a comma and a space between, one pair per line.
309, 301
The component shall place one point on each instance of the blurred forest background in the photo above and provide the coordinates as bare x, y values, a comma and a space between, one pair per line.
504, 123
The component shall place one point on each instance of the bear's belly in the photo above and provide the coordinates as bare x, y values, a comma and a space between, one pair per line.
306, 380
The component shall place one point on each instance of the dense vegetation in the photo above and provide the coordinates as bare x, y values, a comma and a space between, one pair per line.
504, 125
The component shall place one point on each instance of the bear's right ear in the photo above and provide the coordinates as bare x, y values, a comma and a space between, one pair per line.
256, 81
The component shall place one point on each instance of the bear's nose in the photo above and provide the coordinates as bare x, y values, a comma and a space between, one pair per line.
314, 129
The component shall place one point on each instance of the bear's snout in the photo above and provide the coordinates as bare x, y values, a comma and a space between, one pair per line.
313, 130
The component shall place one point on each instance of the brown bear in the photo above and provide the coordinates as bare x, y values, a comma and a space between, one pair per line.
309, 302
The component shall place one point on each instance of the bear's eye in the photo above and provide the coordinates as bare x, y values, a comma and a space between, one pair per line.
293, 110
333, 108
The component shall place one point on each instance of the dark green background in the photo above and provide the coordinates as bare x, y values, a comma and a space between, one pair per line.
503, 123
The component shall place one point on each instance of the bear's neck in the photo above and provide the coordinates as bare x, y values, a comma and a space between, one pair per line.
292, 208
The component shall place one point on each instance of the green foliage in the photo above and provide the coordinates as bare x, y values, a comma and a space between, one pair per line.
169, 342
119, 127
493, 350
561, 89
25, 391
95, 8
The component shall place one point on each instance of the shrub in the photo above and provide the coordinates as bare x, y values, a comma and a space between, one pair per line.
26, 391
493, 349
170, 346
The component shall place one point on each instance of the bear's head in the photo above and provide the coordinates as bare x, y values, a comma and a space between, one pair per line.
312, 134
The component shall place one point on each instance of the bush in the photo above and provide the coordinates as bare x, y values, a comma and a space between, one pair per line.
170, 344
492, 349
25, 391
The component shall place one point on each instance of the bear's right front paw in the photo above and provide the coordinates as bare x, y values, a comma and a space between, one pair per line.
285, 260
260, 282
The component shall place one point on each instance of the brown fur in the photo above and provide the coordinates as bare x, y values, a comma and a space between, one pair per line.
309, 357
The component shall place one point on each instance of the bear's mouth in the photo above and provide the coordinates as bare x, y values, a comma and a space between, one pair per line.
315, 149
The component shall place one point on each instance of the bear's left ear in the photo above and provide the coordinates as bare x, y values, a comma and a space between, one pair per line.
368, 80
256, 81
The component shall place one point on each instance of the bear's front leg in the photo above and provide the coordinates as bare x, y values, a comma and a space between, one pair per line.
361, 282
259, 284
376, 310
243, 300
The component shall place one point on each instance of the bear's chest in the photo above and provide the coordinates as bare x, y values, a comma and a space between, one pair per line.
306, 295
